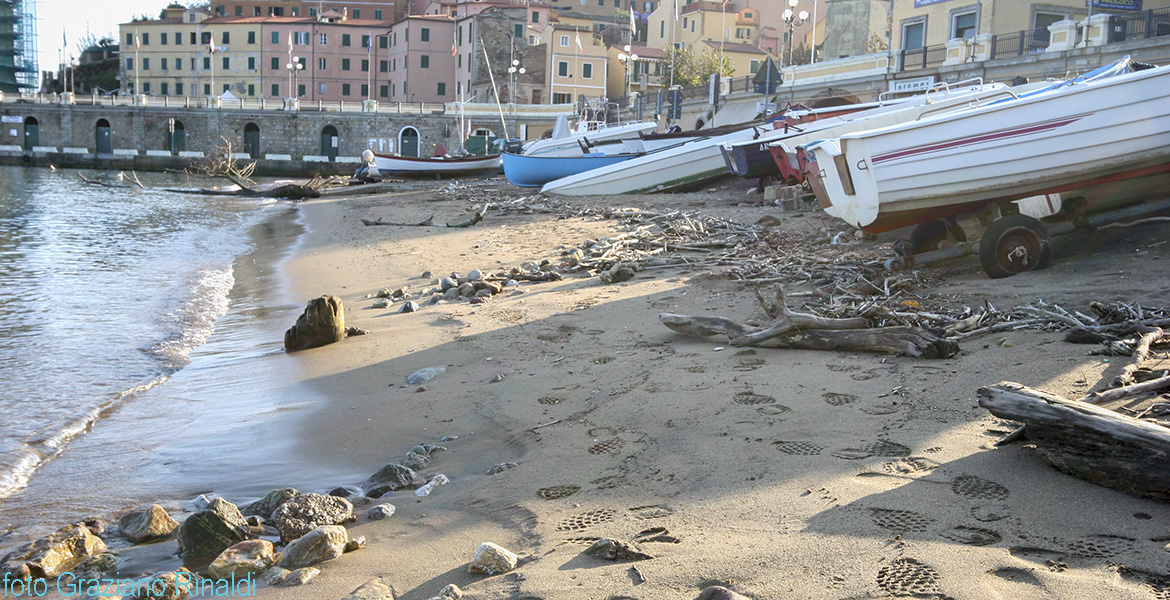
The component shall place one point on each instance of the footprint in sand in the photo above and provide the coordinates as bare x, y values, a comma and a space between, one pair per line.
1102, 546
586, 519
972, 536
909, 577
558, 491
902, 521
836, 399
799, 448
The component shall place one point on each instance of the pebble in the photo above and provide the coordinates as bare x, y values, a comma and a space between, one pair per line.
383, 303
511, 283
409, 307
425, 375
299, 576
475, 275
447, 283
448, 438
437, 480
356, 543
381, 511
500, 468
498, 378
492, 559
384, 293
426, 275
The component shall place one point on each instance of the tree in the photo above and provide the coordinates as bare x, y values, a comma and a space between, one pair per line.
689, 70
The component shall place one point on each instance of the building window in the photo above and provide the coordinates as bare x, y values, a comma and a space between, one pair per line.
564, 41
365, 90
146, 87
324, 39
345, 89
914, 33
163, 66
300, 90
296, 11
178, 88
562, 98
219, 12
384, 91
747, 15
662, 29
587, 70
964, 25
344, 64
377, 15
357, 13
562, 68
442, 90
239, 11
192, 38
1041, 21
275, 63
251, 63
251, 89
381, 41
164, 41
365, 65
165, 88
275, 90
276, 37
320, 64
460, 62
178, 64
345, 39
425, 35
224, 38
146, 64
146, 39
276, 11
206, 63
535, 17
207, 89
365, 41
302, 38
383, 66
754, 66
227, 87
312, 11
518, 30
424, 61
129, 64
205, 38
321, 89
251, 37
255, 11
685, 21
226, 64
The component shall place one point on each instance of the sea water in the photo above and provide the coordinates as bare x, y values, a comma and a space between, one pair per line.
140, 345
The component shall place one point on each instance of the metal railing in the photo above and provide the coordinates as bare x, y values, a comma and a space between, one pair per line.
1147, 24
922, 58
260, 104
1020, 43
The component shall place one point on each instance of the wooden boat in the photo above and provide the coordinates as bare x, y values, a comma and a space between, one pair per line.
534, 171
1108, 129
688, 164
438, 166
566, 138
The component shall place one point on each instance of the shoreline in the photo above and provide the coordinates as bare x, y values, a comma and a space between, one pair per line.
776, 473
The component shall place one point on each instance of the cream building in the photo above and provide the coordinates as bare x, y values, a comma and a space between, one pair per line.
577, 67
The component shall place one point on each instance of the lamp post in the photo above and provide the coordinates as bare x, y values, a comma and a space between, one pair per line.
294, 69
626, 58
512, 71
793, 20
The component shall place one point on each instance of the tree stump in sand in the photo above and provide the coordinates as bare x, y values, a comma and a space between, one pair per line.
1088, 441
323, 322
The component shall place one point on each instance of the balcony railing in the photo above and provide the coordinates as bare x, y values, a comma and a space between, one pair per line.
1020, 43
923, 58
1151, 23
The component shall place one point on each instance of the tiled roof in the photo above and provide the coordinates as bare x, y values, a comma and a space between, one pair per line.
734, 47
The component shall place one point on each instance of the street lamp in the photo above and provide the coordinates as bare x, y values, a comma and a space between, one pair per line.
793, 20
626, 58
294, 69
512, 71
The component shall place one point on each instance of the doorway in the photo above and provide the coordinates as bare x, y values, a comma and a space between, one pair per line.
408, 142
102, 137
329, 142
32, 134
252, 140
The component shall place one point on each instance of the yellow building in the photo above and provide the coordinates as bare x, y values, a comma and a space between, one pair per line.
190, 53
645, 74
576, 67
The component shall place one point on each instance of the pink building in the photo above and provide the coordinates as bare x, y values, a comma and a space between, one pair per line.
338, 58
421, 63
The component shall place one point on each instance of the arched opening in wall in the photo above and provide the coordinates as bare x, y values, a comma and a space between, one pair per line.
833, 97
408, 142
329, 142
32, 133
102, 137
480, 140
176, 136
252, 140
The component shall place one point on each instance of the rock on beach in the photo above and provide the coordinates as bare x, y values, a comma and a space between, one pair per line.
212, 530
53, 554
492, 559
242, 559
323, 322
321, 544
150, 523
306, 512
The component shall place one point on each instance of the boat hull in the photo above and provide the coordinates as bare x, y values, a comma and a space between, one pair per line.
1070, 139
571, 145
535, 171
452, 167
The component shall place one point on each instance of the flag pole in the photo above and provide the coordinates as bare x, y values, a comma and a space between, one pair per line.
370, 67
137, 63
487, 61
672, 48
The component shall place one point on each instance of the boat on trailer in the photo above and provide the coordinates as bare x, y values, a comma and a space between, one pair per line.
1102, 139
451, 166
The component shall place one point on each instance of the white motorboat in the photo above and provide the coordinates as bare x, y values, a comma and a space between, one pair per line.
439, 165
566, 139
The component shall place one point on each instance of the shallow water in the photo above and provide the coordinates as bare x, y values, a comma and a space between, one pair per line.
140, 346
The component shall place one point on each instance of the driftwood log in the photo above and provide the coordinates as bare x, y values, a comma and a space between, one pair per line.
796, 330
1087, 441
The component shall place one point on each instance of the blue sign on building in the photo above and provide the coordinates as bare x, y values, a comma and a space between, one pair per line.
1111, 4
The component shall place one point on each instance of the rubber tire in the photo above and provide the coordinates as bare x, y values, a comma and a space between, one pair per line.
927, 236
1008, 234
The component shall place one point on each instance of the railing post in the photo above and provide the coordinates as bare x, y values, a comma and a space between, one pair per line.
1023, 43
1149, 23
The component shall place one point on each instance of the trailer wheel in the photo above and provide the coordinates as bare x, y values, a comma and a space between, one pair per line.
1013, 244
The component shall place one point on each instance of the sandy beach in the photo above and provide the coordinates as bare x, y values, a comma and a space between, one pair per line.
775, 473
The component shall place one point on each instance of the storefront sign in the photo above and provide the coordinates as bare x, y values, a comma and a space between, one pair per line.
1115, 4
917, 84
